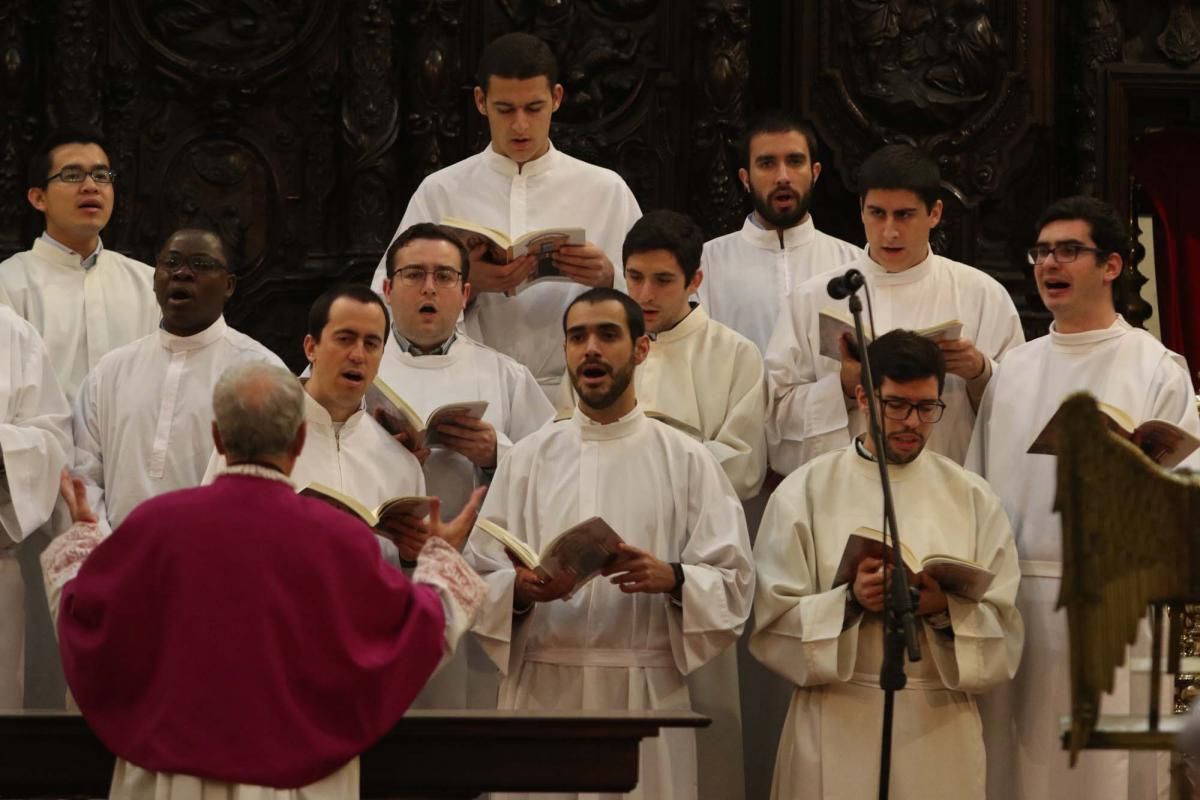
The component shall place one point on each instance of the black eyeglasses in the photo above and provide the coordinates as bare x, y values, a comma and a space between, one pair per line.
415, 276
199, 264
898, 408
1064, 253
78, 174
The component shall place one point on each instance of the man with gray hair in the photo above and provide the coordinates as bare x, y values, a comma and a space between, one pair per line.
273, 668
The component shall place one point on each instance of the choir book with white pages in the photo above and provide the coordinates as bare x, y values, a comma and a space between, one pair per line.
955, 575
1165, 443
586, 549
396, 416
543, 243
377, 517
834, 322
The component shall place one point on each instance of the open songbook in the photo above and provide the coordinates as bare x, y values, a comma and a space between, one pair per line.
833, 322
373, 517
955, 575
397, 416
501, 250
586, 548
1165, 443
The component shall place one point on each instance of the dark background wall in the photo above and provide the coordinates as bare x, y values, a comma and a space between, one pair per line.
300, 127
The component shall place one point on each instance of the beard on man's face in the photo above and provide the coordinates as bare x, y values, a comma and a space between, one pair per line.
600, 399
782, 219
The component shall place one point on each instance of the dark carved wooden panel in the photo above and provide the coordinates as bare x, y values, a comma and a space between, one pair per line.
957, 79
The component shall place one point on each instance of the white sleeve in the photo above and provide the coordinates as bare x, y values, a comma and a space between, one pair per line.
740, 443
1172, 398
800, 631
808, 409
718, 585
62, 559
35, 441
460, 589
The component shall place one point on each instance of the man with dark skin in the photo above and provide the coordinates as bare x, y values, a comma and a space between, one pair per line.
143, 415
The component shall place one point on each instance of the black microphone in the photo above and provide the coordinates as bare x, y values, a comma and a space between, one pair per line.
845, 285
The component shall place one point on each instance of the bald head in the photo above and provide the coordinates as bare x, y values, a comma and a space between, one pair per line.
258, 411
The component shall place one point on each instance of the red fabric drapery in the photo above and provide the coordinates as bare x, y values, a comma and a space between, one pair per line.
1167, 164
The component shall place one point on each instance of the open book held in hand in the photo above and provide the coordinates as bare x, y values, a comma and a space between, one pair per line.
833, 322
955, 575
1164, 443
586, 549
377, 518
397, 416
543, 243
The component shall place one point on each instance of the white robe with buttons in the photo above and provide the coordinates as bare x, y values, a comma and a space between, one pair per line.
830, 744
749, 274
554, 190
80, 314
143, 417
602, 648
35, 445
809, 414
1124, 367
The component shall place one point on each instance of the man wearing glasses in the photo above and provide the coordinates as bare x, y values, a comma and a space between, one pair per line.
83, 299
827, 638
143, 416
1080, 252
430, 365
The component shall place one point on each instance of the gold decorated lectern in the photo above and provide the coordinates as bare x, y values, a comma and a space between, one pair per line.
1131, 546
451, 754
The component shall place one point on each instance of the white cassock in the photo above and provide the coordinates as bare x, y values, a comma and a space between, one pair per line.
602, 648
517, 407
749, 274
711, 377
469, 371
554, 190
1124, 367
830, 743
35, 445
809, 414
80, 313
143, 417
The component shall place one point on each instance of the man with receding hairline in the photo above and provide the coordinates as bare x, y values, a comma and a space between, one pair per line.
82, 298
677, 593
142, 416
521, 183
750, 273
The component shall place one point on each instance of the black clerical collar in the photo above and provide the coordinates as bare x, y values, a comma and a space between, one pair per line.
414, 350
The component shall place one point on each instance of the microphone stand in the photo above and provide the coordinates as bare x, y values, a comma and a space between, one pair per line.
899, 623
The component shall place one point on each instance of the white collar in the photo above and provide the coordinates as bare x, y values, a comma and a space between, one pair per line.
692, 323
793, 237
178, 344
506, 166
256, 471
879, 275
316, 413
1085, 339
598, 431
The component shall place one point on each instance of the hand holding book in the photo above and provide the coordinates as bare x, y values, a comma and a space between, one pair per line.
584, 263
635, 570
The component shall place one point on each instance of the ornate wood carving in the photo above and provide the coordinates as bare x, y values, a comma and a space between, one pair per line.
20, 116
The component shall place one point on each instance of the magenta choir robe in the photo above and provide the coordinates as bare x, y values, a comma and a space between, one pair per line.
241, 633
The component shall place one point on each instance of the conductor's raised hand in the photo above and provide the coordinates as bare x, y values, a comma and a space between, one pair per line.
457, 530
75, 494
488, 276
584, 263
635, 570
869, 584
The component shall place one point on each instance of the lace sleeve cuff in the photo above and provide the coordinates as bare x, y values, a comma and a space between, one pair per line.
64, 556
442, 567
